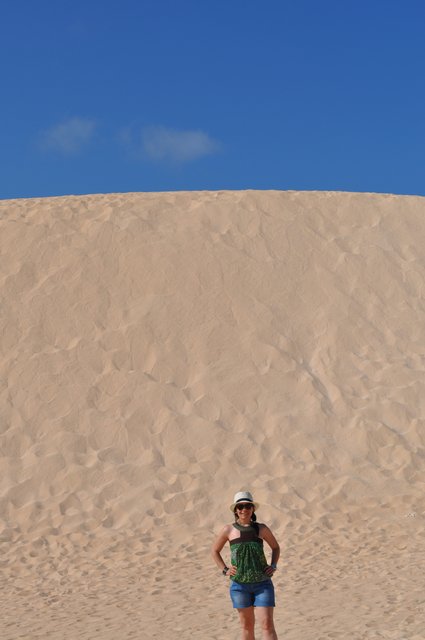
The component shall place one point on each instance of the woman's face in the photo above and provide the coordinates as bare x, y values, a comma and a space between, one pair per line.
244, 511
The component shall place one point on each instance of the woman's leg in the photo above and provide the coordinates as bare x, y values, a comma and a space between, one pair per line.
247, 620
265, 618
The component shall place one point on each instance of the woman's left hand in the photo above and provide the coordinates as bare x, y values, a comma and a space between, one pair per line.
269, 571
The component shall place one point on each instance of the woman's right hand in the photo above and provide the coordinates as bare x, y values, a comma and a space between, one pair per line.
233, 570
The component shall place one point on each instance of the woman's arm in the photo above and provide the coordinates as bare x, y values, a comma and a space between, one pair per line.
267, 535
218, 545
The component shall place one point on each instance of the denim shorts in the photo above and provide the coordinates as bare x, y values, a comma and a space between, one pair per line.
252, 594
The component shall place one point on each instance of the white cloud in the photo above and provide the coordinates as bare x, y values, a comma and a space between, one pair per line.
70, 136
172, 145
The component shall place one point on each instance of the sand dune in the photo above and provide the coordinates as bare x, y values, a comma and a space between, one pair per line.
160, 352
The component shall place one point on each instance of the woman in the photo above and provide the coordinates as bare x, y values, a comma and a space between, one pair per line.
250, 573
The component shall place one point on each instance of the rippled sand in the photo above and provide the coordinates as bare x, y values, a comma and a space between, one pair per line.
160, 352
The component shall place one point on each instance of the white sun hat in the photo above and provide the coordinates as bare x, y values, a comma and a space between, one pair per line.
243, 496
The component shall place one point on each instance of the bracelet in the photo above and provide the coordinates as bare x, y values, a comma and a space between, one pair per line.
225, 570
273, 565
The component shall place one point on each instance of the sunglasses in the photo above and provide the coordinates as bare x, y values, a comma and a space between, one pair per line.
245, 505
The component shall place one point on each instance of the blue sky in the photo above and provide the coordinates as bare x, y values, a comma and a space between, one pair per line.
157, 95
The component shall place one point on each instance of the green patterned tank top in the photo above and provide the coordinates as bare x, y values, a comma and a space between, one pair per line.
247, 554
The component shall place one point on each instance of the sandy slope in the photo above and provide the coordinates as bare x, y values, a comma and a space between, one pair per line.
160, 352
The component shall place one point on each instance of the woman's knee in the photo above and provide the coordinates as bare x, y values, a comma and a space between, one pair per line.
266, 620
247, 625
267, 625
247, 619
